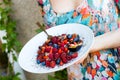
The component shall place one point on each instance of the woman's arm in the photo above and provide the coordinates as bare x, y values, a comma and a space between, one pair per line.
107, 40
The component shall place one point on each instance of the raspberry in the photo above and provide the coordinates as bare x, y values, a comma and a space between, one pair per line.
69, 57
74, 55
54, 50
52, 64
63, 55
54, 39
64, 60
47, 62
40, 58
62, 45
47, 49
51, 57
39, 51
62, 48
56, 56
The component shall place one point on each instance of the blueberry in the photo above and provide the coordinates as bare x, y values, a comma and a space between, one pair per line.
69, 36
55, 45
43, 63
58, 61
50, 44
70, 53
76, 39
38, 61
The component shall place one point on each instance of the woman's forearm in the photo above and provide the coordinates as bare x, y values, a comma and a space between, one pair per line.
107, 40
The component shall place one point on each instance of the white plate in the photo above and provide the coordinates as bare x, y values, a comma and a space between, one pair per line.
27, 56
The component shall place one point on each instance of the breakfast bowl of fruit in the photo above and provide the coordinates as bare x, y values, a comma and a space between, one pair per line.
67, 45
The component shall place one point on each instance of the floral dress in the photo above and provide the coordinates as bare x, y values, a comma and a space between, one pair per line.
101, 17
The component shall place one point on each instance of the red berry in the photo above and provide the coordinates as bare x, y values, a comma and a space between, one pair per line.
74, 55
54, 39
60, 51
63, 55
62, 48
47, 49
51, 57
61, 63
40, 58
65, 50
56, 56
64, 60
62, 45
54, 50
52, 64
47, 63
39, 51
69, 57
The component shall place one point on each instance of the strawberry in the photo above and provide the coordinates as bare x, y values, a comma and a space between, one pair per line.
61, 63
52, 64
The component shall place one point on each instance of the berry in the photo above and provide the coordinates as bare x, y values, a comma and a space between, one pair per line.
54, 39
69, 36
61, 63
74, 55
38, 61
62, 45
64, 60
47, 63
58, 61
39, 52
50, 44
63, 55
56, 56
62, 48
51, 57
47, 49
54, 50
69, 57
43, 63
57, 50
52, 64
76, 39
55, 46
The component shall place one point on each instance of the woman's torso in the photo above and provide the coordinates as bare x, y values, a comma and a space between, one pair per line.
100, 16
